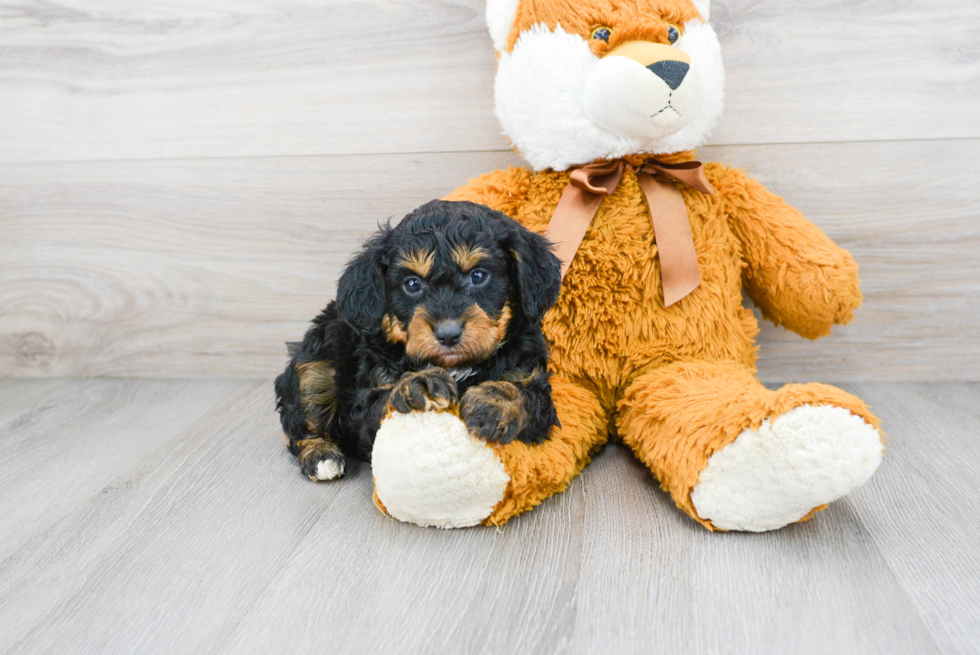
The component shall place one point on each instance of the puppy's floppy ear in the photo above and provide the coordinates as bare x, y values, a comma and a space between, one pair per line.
361, 290
537, 270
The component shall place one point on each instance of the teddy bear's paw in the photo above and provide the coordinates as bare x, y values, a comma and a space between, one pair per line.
321, 460
777, 474
431, 388
429, 470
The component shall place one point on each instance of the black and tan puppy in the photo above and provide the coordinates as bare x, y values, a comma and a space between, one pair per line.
442, 311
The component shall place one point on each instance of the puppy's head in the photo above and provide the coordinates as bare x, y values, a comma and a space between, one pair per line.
450, 282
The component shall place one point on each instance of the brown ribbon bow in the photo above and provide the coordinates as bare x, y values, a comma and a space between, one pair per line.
589, 184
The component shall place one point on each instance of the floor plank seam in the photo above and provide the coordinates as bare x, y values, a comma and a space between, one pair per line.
422, 153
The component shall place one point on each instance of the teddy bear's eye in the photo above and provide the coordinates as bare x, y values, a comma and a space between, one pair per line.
673, 34
602, 33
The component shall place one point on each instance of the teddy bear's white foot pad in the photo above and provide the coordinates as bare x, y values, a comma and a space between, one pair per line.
775, 475
429, 470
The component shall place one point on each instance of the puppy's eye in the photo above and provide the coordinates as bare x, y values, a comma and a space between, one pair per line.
478, 277
602, 33
673, 34
412, 286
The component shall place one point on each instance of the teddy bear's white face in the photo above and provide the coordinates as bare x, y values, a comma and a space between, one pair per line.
623, 79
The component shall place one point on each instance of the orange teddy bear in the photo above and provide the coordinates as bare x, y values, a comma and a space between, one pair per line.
607, 100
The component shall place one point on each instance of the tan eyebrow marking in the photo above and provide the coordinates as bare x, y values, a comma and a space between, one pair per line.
467, 256
418, 261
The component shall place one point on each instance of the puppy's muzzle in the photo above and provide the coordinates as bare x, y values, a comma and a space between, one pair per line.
455, 341
448, 333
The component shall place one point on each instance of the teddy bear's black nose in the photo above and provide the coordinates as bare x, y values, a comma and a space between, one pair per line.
448, 333
671, 72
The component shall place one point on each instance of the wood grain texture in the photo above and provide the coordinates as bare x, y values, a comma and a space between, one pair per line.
818, 587
67, 443
212, 542
171, 552
929, 534
87, 80
480, 598
16, 399
203, 268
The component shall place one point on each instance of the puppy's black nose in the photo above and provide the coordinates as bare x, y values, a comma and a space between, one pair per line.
671, 72
448, 332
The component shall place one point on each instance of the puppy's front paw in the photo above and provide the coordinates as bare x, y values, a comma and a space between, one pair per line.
431, 389
321, 460
493, 411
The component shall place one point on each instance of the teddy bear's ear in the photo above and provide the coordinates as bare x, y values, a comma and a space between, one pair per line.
500, 19
704, 7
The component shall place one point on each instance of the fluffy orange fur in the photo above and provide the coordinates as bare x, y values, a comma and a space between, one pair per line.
633, 20
674, 384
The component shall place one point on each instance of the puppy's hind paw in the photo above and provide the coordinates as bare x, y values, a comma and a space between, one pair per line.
321, 460
328, 469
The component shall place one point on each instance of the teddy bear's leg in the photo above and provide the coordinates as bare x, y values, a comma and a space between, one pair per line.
540, 470
430, 471
737, 456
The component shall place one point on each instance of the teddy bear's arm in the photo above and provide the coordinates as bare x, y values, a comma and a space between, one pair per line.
797, 276
504, 190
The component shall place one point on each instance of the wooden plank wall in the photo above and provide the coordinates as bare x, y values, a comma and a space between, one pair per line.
181, 181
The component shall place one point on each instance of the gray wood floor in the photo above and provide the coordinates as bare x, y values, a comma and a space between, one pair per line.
166, 517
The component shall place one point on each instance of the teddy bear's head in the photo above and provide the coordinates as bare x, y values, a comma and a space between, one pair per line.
582, 80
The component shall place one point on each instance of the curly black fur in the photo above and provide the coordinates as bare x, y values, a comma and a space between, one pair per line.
355, 363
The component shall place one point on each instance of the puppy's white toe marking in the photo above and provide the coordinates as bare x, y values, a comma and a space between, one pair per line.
329, 469
775, 475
